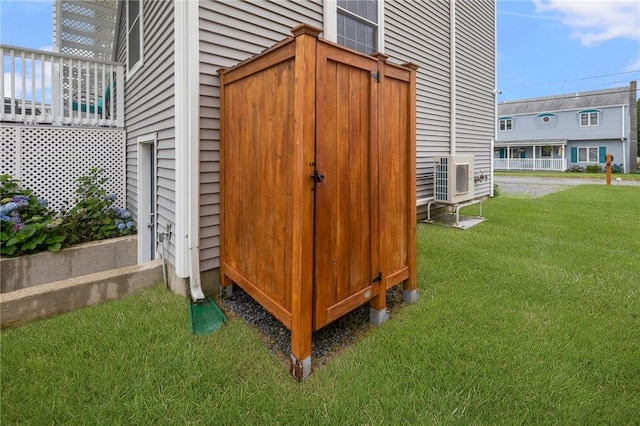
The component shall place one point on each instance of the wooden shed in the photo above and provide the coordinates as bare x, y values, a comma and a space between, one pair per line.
317, 158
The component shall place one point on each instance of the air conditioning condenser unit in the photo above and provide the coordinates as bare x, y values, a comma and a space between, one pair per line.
453, 179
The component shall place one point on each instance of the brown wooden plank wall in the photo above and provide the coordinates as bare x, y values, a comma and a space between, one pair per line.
258, 172
232, 31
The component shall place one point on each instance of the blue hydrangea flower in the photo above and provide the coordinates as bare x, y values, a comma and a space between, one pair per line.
8, 208
15, 216
4, 218
121, 226
111, 197
21, 200
129, 224
43, 202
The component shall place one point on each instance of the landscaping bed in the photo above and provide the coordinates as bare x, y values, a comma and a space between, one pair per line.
83, 259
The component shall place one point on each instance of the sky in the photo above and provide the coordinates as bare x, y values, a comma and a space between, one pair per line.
545, 47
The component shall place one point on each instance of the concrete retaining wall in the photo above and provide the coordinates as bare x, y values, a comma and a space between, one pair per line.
26, 271
46, 300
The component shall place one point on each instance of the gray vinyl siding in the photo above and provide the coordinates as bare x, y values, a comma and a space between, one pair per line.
419, 32
475, 84
230, 32
149, 107
566, 125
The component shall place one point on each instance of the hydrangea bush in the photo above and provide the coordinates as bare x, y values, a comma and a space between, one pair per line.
94, 217
28, 225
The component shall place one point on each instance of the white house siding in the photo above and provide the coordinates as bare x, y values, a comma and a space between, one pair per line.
230, 32
420, 32
475, 78
149, 107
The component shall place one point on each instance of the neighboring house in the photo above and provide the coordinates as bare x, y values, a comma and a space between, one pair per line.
166, 95
576, 129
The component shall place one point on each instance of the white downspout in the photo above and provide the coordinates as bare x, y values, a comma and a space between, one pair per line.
624, 150
452, 58
193, 78
181, 141
491, 169
186, 15
496, 92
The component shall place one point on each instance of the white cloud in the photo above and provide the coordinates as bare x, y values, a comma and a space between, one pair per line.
595, 21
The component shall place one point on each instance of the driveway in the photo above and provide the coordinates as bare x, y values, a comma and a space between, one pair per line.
535, 186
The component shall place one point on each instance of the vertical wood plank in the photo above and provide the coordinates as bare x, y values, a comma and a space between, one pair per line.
412, 283
301, 267
380, 178
325, 269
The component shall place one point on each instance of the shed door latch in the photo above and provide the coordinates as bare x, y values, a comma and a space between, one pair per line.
317, 176
377, 278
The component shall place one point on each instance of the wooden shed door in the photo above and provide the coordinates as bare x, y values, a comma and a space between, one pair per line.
346, 212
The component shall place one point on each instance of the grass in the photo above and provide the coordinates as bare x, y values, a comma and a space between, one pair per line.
571, 175
530, 317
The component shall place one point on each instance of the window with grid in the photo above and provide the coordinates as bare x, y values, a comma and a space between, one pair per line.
357, 25
588, 155
506, 124
589, 118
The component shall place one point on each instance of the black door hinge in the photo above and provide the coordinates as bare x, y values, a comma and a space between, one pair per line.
376, 75
377, 278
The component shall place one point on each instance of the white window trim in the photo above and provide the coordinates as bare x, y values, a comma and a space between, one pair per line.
588, 114
143, 208
132, 70
587, 160
505, 121
331, 22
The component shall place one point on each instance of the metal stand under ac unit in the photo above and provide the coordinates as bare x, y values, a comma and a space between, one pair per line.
457, 207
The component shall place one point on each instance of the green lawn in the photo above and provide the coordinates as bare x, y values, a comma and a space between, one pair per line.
583, 175
532, 317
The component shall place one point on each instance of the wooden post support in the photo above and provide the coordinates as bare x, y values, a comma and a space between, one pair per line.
301, 249
608, 168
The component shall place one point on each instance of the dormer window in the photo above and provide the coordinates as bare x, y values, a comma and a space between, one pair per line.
589, 117
506, 123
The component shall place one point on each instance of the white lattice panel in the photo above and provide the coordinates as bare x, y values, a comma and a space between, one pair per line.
49, 160
8, 150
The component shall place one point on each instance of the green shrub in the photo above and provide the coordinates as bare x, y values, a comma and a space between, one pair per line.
94, 217
593, 168
617, 168
27, 224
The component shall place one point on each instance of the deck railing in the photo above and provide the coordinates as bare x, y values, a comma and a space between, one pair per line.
552, 164
47, 87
